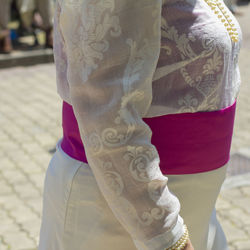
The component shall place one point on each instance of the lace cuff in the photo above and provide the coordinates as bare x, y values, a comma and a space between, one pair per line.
164, 240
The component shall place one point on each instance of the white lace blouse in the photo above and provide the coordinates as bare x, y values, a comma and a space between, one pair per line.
118, 61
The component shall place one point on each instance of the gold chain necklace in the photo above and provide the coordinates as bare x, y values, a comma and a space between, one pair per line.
223, 15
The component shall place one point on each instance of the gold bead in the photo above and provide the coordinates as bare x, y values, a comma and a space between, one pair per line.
232, 24
226, 19
180, 244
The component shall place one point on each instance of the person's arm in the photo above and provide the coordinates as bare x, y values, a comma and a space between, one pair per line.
112, 48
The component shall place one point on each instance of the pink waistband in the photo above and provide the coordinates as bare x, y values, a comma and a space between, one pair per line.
187, 143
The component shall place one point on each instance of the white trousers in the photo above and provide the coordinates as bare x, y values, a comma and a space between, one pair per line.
44, 7
77, 217
26, 8
4, 13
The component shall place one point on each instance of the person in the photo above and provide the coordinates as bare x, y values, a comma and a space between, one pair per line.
5, 40
44, 8
149, 95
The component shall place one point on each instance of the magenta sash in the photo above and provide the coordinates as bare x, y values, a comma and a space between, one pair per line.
187, 143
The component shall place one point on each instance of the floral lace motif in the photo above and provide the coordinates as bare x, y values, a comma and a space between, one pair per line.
88, 41
109, 50
200, 58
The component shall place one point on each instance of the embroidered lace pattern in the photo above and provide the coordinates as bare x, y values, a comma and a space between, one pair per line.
120, 60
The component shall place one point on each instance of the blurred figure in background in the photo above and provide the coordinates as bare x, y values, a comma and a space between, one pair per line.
5, 41
27, 10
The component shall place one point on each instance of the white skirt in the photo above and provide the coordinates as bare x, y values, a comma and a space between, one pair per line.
77, 217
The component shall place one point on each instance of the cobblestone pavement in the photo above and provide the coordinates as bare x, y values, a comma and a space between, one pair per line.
30, 127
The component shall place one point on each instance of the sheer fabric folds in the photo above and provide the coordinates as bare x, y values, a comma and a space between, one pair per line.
119, 61
110, 66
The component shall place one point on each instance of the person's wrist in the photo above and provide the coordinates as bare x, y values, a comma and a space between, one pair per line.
182, 242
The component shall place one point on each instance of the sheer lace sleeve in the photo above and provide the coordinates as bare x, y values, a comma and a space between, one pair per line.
112, 48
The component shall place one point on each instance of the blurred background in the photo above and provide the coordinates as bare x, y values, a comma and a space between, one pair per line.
30, 125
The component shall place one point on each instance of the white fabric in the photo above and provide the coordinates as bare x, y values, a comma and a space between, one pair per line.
77, 217
120, 60
26, 5
198, 194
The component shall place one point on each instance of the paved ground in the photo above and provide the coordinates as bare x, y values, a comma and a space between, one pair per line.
29, 133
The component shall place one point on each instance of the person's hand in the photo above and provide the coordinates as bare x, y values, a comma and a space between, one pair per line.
189, 246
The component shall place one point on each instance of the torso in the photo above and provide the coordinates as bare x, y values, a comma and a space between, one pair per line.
197, 69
